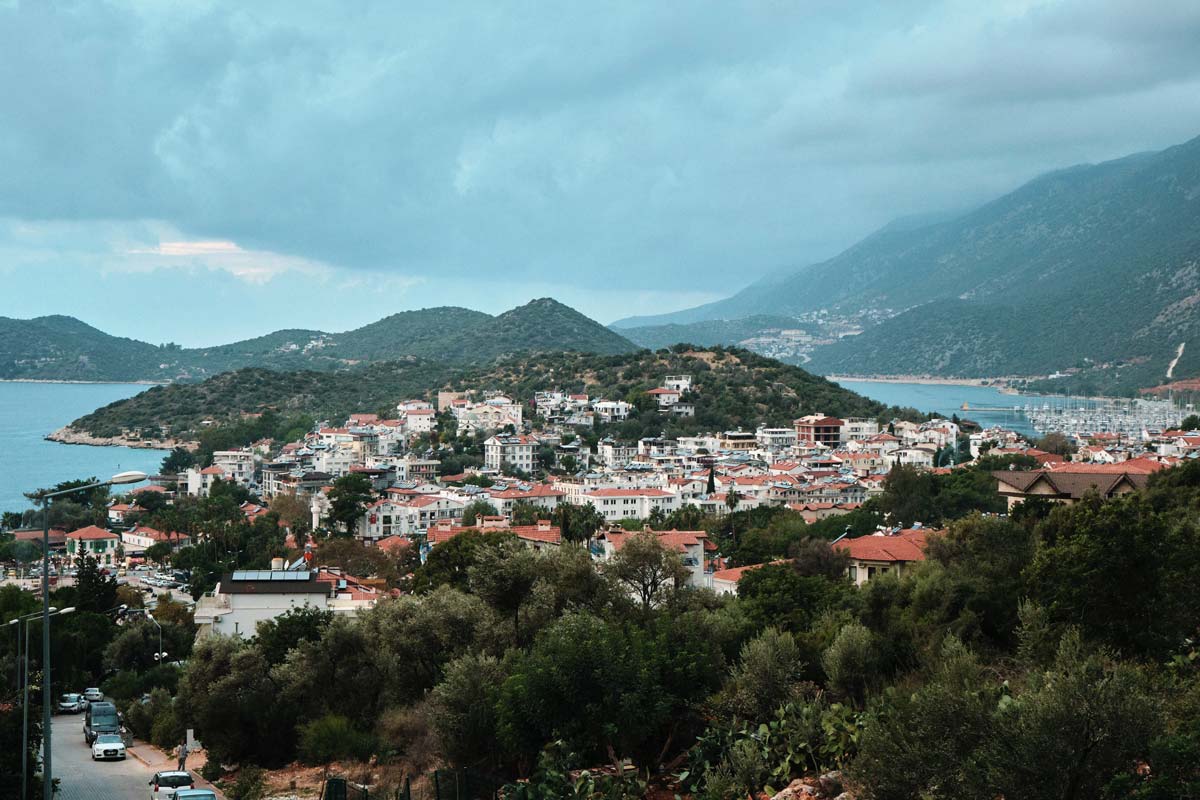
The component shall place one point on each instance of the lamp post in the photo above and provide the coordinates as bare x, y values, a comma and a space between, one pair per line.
24, 669
45, 497
159, 655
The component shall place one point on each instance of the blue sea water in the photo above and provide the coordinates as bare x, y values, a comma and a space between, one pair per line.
29, 411
948, 399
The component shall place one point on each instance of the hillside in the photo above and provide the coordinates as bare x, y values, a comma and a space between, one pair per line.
733, 388
706, 334
63, 348
1098, 262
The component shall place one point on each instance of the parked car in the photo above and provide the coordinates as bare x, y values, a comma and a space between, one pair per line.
93, 695
108, 745
164, 785
195, 794
100, 718
71, 703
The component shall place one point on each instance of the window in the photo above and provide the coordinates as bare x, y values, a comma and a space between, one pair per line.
852, 572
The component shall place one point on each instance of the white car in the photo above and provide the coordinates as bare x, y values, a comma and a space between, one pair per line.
108, 745
164, 784
93, 695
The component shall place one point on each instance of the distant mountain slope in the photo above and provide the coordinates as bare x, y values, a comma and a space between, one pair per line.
63, 348
732, 388
1096, 263
707, 334
66, 349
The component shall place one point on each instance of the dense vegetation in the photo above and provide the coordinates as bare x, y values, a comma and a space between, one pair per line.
66, 349
1019, 285
732, 388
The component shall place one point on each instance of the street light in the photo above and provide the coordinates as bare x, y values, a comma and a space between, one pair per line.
26, 619
119, 479
159, 655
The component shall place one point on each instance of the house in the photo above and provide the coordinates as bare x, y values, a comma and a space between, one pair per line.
612, 410
882, 552
544, 496
509, 452
419, 420
678, 383
95, 542
237, 465
540, 536
775, 439
138, 539
618, 504
244, 598
820, 429
665, 397
1067, 485
200, 481
815, 511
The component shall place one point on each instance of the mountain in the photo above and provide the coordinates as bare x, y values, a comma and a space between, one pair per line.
707, 334
732, 388
1086, 266
63, 348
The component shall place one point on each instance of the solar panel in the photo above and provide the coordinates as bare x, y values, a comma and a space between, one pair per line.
270, 575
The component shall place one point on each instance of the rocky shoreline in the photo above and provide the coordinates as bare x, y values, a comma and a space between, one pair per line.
67, 435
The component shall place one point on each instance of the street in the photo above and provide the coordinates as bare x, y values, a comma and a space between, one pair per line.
82, 779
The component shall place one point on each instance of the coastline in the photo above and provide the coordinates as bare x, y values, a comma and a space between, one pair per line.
999, 384
65, 435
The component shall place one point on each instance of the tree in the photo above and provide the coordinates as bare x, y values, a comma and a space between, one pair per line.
504, 576
476, 509
275, 638
1121, 570
578, 522
525, 513
348, 500
1057, 443
294, 513
159, 552
647, 567
463, 711
850, 661
768, 674
1190, 423
94, 591
177, 461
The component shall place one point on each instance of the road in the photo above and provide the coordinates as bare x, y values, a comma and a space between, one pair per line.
82, 779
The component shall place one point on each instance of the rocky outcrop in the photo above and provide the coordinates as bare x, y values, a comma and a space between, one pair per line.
71, 436
826, 787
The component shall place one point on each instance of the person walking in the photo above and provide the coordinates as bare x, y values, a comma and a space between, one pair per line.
182, 752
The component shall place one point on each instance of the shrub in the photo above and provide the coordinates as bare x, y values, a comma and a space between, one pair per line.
850, 660
333, 738
251, 784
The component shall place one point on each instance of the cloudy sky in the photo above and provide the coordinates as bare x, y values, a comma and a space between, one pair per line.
199, 172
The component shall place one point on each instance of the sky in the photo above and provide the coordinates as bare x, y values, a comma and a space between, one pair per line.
207, 171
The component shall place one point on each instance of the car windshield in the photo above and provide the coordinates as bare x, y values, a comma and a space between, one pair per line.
70, 698
109, 738
173, 779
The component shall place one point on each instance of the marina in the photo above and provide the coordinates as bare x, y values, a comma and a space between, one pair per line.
1075, 415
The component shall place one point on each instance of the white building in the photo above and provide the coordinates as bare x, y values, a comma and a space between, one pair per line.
618, 504
775, 440
244, 598
238, 465
612, 410
511, 451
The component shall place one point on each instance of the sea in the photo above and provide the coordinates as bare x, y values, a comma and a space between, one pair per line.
986, 405
29, 411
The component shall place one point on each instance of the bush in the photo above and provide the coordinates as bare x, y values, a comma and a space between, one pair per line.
251, 784
850, 660
334, 738
212, 771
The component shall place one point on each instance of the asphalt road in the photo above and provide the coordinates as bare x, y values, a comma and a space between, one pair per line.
80, 778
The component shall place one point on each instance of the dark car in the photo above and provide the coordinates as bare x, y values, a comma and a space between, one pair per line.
100, 718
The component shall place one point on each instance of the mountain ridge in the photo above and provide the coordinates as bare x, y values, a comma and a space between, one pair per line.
1093, 266
58, 347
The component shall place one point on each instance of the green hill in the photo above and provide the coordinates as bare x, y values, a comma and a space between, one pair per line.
63, 348
732, 388
1093, 264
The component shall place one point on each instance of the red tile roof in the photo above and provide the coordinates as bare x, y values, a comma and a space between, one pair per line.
907, 545
91, 532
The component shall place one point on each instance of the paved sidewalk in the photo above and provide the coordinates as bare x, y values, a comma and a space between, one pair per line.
158, 761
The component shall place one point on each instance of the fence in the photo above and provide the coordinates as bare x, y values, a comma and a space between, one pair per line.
442, 784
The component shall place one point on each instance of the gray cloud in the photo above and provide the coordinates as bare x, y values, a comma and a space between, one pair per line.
647, 145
